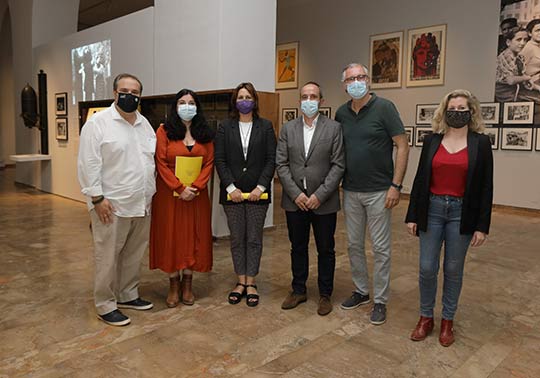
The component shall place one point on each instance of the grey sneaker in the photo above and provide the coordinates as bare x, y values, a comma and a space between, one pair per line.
355, 300
378, 314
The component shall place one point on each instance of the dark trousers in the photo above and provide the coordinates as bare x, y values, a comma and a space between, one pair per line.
324, 227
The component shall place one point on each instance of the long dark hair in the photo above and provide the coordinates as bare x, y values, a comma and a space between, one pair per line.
235, 114
175, 128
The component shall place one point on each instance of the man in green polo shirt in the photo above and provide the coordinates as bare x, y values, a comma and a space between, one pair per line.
372, 184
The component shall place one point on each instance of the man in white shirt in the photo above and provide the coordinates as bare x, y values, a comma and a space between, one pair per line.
117, 174
310, 163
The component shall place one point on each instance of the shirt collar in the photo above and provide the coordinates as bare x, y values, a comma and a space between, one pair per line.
116, 115
313, 125
367, 105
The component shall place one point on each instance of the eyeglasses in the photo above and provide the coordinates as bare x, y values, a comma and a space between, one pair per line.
356, 78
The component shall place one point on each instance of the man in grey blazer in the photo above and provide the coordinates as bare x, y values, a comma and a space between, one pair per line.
310, 164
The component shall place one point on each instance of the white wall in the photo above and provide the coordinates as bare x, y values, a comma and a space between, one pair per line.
333, 36
53, 19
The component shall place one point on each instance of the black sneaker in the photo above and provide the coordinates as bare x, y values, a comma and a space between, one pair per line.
355, 300
136, 304
378, 314
115, 318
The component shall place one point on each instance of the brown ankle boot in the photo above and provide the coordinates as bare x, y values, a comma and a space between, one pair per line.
423, 329
187, 295
446, 337
174, 287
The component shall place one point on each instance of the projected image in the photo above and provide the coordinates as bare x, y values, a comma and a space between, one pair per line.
91, 72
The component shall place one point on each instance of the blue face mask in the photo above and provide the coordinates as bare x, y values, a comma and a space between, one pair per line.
310, 107
186, 111
357, 89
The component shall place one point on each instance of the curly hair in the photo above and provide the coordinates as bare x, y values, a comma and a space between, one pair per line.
175, 128
476, 124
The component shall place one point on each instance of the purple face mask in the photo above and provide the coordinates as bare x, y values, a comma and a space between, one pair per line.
245, 106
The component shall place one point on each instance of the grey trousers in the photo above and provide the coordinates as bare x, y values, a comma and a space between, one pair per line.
118, 250
246, 223
363, 209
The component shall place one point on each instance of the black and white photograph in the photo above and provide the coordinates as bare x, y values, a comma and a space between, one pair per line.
327, 111
518, 113
91, 72
493, 134
61, 104
425, 113
490, 112
288, 114
518, 139
409, 131
61, 129
518, 57
420, 134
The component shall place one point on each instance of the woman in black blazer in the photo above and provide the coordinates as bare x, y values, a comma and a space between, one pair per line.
450, 202
245, 154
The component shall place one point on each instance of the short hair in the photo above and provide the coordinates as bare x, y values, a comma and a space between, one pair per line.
532, 24
234, 113
476, 124
511, 20
124, 76
315, 84
352, 65
510, 36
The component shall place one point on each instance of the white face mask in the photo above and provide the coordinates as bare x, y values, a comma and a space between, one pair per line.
186, 112
310, 107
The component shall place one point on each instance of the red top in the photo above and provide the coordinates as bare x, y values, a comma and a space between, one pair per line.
449, 172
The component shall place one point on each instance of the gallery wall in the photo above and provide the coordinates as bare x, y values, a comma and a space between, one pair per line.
333, 36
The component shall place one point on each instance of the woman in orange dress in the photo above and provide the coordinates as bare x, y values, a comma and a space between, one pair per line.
181, 233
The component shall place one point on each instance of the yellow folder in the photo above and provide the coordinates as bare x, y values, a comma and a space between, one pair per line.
187, 169
264, 196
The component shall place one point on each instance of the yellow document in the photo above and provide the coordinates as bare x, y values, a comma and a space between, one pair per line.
264, 196
187, 169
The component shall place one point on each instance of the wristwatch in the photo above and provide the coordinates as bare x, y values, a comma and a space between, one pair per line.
398, 187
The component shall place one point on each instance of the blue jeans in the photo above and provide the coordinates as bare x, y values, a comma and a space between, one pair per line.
444, 218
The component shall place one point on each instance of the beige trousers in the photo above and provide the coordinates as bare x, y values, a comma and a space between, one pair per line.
118, 250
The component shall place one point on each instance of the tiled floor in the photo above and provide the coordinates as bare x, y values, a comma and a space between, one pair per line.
48, 327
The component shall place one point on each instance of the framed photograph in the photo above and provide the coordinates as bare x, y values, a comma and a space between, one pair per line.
385, 57
61, 129
517, 139
421, 132
518, 112
327, 111
287, 65
425, 113
425, 56
493, 134
537, 147
409, 131
288, 114
61, 104
490, 112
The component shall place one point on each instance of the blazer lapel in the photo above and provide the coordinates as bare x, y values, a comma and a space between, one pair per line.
255, 130
316, 135
472, 152
235, 128
433, 147
298, 131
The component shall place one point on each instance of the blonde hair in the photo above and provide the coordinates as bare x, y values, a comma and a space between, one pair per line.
476, 124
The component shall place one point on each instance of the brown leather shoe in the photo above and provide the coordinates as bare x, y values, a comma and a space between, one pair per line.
325, 305
293, 300
187, 294
172, 297
423, 329
446, 337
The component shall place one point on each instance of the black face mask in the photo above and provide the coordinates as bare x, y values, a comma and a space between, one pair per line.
458, 119
127, 102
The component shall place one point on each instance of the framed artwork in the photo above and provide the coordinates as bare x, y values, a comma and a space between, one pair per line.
421, 132
425, 113
517, 139
61, 104
409, 131
287, 65
537, 147
425, 56
493, 134
61, 129
327, 111
288, 114
385, 57
490, 112
518, 112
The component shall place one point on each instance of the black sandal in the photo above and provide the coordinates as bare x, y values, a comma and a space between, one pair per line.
252, 300
235, 297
